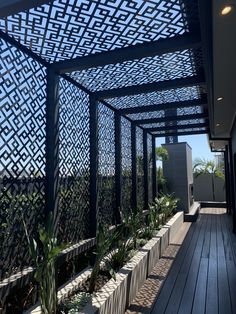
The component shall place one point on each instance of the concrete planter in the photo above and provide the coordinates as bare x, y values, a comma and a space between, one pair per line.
116, 295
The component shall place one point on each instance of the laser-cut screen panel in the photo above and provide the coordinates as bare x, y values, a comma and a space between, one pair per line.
74, 163
106, 165
168, 66
150, 168
66, 29
161, 97
140, 168
22, 151
126, 164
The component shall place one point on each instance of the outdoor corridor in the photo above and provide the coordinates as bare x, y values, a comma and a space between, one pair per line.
202, 277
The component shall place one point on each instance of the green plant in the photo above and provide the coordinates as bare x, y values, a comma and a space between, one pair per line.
105, 238
166, 205
202, 166
43, 253
161, 181
161, 153
75, 303
119, 256
134, 222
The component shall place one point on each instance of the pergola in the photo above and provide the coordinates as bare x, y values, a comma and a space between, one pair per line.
86, 88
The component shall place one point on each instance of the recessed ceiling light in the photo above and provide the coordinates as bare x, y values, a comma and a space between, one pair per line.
219, 98
217, 124
226, 9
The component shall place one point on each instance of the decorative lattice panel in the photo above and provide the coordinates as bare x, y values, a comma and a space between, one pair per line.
140, 169
106, 165
126, 160
161, 97
189, 110
74, 162
147, 115
193, 121
22, 151
66, 29
150, 167
141, 71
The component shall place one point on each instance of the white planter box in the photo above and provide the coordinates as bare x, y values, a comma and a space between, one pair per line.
116, 295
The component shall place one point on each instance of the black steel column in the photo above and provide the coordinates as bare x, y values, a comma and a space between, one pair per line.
232, 178
145, 169
154, 168
93, 166
52, 145
118, 168
171, 113
134, 167
227, 185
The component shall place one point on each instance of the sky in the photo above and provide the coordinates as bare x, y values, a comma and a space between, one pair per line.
198, 143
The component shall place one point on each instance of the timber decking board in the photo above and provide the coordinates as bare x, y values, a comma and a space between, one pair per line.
203, 276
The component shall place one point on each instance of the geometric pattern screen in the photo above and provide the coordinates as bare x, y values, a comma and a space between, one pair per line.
74, 162
106, 165
140, 168
126, 164
22, 154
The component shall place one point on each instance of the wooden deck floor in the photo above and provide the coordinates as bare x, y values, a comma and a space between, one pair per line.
202, 278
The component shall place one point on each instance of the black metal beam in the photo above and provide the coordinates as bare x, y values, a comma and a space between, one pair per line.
176, 43
134, 167
170, 105
52, 145
145, 168
178, 118
22, 48
178, 127
118, 167
182, 133
11, 7
154, 168
93, 166
151, 87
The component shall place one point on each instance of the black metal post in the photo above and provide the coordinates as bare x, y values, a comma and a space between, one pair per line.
118, 169
154, 168
93, 166
227, 186
145, 168
52, 145
232, 183
134, 167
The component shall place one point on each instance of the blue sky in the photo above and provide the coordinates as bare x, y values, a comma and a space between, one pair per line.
199, 144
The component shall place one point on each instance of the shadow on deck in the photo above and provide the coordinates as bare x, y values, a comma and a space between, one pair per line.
202, 276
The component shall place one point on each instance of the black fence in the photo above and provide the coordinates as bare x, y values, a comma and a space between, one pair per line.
63, 151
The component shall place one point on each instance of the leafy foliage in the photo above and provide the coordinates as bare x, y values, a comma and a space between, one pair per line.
203, 166
161, 153
105, 239
44, 252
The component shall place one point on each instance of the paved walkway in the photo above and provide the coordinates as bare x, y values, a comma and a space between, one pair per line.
202, 277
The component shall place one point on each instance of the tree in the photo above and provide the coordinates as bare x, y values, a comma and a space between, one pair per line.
203, 166
161, 153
